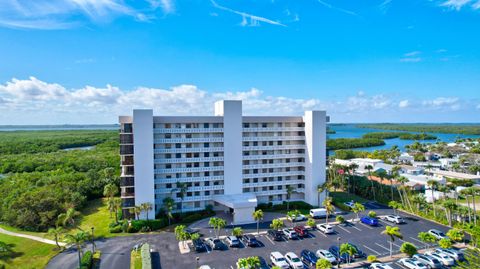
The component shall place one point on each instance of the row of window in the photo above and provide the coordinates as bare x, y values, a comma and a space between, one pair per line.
271, 188
187, 135
272, 179
187, 145
272, 143
272, 170
268, 134
188, 155
272, 124
186, 125
189, 174
272, 161
188, 165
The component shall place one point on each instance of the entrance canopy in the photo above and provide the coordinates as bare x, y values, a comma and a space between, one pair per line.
243, 206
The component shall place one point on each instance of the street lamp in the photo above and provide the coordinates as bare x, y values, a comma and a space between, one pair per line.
339, 255
93, 240
197, 259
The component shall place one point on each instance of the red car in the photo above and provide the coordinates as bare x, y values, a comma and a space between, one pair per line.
301, 231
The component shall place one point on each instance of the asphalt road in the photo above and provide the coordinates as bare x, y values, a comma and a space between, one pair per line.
166, 255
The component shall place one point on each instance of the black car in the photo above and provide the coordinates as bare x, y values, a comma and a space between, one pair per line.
263, 263
360, 253
250, 240
308, 257
199, 245
275, 235
336, 252
191, 231
215, 243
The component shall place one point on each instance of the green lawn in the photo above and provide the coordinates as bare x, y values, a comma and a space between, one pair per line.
26, 253
16, 230
342, 197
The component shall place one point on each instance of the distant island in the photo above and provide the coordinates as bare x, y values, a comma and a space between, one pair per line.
350, 143
466, 129
400, 135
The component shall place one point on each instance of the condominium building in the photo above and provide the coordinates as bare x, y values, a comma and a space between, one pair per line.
230, 161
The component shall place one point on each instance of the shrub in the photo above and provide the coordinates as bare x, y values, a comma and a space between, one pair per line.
445, 243
146, 258
372, 214
283, 206
145, 229
311, 222
323, 264
456, 235
409, 249
132, 229
86, 262
116, 229
340, 219
125, 226
371, 258
153, 225
113, 224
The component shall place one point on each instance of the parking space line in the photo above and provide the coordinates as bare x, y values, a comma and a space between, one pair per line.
356, 228
419, 241
268, 238
321, 233
387, 222
382, 247
395, 245
378, 253
401, 265
344, 229
366, 226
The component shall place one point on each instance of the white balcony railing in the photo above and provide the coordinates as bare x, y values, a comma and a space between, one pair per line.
187, 150
186, 169
187, 179
186, 130
273, 165
301, 146
272, 138
273, 156
188, 140
274, 174
274, 129
274, 183
188, 160
192, 189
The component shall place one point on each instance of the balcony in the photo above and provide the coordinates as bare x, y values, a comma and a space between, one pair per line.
126, 149
300, 146
127, 194
273, 156
187, 130
192, 189
276, 192
272, 138
188, 140
127, 181
273, 165
188, 150
274, 183
186, 170
274, 129
126, 139
128, 202
187, 179
189, 160
274, 174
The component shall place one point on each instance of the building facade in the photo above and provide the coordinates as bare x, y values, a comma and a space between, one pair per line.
229, 161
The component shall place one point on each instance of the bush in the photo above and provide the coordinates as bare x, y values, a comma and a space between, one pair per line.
340, 219
283, 206
86, 262
125, 226
116, 229
409, 249
145, 229
445, 243
146, 258
371, 258
372, 214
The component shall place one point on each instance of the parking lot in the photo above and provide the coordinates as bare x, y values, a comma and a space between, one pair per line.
368, 239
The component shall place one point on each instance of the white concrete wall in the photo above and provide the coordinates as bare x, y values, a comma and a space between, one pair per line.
232, 144
143, 159
315, 140
243, 215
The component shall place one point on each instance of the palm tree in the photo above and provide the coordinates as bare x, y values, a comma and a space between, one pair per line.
418, 200
276, 224
466, 192
352, 167
392, 232
182, 188
137, 210
146, 207
357, 208
111, 206
258, 216
217, 224
78, 240
327, 203
383, 175
320, 189
237, 231
249, 262
433, 184
450, 206
369, 168
290, 190
347, 248
56, 232
474, 192
168, 204
181, 234
117, 205
426, 237
394, 205
110, 190
68, 217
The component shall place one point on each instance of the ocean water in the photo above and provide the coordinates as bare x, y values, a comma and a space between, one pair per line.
352, 131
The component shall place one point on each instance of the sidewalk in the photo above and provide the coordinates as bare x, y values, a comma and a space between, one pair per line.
32, 237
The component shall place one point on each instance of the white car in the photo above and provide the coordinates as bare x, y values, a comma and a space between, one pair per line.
232, 241
438, 234
325, 228
300, 217
377, 265
293, 260
327, 255
394, 218
430, 261
290, 233
205, 267
455, 254
412, 263
349, 204
277, 259
442, 257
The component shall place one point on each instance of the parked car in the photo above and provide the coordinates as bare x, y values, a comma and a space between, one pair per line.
394, 219
250, 240
191, 231
199, 245
327, 255
369, 221
214, 243
442, 257
275, 235
293, 260
359, 254
430, 261
325, 228
455, 254
412, 263
378, 265
301, 231
232, 241
290, 233
339, 257
438, 234
350, 204
318, 213
299, 217
308, 257
277, 259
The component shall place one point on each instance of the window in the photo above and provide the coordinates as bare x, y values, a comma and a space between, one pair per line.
207, 174
246, 125
206, 154
169, 185
207, 193
206, 145
205, 125
178, 145
207, 183
178, 155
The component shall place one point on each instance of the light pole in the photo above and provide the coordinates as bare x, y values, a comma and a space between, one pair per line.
339, 255
197, 259
93, 241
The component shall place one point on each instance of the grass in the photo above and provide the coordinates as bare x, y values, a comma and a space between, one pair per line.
342, 197
26, 253
16, 230
135, 260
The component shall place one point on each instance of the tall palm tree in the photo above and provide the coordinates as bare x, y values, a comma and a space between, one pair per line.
168, 204
433, 184
182, 188
117, 205
56, 232
369, 168
474, 192
136, 211
352, 167
111, 206
466, 192
327, 203
418, 200
78, 240
347, 248
68, 217
146, 207
357, 208
290, 190
258, 216
110, 190
217, 224
450, 206
320, 189
392, 233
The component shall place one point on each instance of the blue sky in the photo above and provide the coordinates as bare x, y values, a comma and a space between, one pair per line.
87, 61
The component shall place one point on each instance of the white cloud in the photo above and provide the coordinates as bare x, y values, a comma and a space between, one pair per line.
455, 4
411, 60
247, 19
168, 6
476, 5
412, 53
403, 104
325, 4
452, 103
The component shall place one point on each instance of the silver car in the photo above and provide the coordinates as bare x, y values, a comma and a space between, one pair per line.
428, 260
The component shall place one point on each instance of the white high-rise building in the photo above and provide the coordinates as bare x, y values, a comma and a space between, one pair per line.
230, 161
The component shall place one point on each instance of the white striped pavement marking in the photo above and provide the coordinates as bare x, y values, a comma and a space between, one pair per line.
382, 247
378, 253
366, 226
344, 229
268, 238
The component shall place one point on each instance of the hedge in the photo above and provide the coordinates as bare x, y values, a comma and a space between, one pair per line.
116, 229
283, 206
146, 258
86, 262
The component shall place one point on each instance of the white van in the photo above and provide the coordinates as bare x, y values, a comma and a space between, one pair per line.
318, 213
